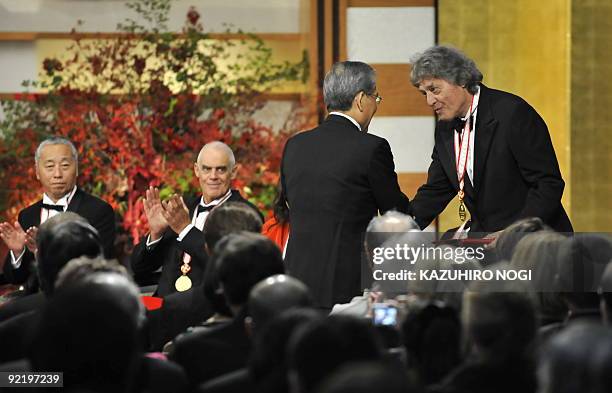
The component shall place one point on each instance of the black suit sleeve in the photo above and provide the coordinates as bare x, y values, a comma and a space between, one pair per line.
383, 179
145, 259
104, 222
532, 148
20, 275
433, 196
193, 243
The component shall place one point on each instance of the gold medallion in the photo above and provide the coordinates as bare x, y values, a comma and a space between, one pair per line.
182, 283
462, 214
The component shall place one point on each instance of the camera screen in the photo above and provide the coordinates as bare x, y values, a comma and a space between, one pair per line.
385, 315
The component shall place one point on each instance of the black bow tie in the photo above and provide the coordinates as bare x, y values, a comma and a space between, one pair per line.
58, 208
457, 124
202, 208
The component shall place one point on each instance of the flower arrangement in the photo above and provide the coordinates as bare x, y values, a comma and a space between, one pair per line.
139, 107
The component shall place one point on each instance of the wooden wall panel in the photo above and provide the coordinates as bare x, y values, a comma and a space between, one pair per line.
391, 3
400, 98
410, 182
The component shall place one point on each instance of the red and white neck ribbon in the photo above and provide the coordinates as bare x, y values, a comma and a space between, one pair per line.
462, 148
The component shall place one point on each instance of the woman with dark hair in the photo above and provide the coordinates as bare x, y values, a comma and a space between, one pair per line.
276, 228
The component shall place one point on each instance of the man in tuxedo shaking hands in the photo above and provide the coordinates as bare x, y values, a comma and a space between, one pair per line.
56, 161
336, 178
492, 149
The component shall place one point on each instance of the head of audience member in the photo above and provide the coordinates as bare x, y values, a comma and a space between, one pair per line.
85, 270
242, 260
447, 78
578, 359
508, 238
215, 169
320, 347
228, 218
268, 361
350, 88
383, 228
368, 377
542, 253
605, 290
274, 295
443, 258
432, 337
581, 270
87, 332
57, 164
61, 238
499, 321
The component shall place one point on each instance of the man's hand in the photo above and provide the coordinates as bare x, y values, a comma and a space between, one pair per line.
14, 237
154, 211
493, 236
176, 213
31, 239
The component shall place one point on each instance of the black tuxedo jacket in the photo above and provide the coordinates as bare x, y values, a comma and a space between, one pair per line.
516, 173
97, 212
336, 179
168, 253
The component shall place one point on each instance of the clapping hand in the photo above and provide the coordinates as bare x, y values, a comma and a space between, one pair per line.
153, 209
31, 239
14, 236
175, 213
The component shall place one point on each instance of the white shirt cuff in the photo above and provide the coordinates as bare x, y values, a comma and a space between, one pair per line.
184, 232
152, 243
16, 262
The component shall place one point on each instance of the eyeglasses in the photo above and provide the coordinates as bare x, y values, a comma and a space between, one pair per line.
376, 97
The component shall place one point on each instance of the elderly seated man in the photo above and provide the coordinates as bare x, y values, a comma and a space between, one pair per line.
175, 241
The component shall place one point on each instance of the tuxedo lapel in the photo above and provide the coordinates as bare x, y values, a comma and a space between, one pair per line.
449, 149
192, 204
485, 129
75, 202
32, 216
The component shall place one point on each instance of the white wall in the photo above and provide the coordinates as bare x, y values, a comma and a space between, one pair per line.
270, 16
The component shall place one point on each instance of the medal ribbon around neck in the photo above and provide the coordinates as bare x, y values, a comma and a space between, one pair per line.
462, 147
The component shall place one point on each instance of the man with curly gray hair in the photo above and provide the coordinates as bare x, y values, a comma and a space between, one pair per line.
492, 150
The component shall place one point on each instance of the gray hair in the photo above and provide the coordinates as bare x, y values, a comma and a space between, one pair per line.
218, 145
344, 81
446, 63
383, 228
56, 140
392, 221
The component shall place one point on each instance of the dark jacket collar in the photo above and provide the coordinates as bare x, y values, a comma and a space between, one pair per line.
340, 120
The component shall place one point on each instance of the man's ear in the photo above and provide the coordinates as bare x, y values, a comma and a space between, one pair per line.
359, 100
234, 171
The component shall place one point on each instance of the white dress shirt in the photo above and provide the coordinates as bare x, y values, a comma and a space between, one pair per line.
470, 163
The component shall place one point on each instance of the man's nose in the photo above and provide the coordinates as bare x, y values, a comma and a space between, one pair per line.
57, 172
430, 99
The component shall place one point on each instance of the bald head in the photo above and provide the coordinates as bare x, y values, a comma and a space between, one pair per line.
215, 169
219, 147
274, 295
